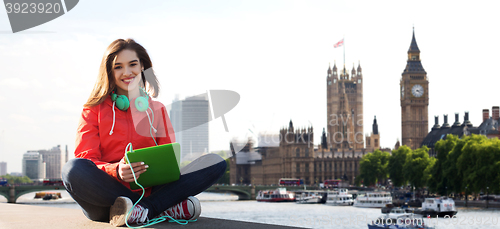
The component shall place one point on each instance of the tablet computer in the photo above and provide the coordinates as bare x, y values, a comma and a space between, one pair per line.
163, 162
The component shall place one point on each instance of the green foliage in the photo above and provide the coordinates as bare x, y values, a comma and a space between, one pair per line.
415, 165
225, 178
437, 181
450, 171
373, 167
395, 167
478, 163
427, 171
17, 180
472, 162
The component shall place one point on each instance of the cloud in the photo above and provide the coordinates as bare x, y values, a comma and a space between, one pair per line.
24, 119
20, 84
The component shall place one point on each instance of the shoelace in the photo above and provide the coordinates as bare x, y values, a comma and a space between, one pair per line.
176, 212
138, 215
146, 222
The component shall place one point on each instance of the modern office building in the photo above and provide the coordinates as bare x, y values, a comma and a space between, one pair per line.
3, 168
176, 118
189, 119
33, 165
52, 159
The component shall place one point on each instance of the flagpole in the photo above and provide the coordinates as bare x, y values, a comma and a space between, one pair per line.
343, 44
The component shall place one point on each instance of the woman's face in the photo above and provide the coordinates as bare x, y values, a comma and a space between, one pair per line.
127, 71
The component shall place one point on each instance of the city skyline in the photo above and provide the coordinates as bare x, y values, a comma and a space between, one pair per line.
275, 55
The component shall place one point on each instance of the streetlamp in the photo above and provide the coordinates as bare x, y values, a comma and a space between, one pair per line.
487, 190
466, 195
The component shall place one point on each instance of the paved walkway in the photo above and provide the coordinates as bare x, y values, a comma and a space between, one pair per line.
21, 216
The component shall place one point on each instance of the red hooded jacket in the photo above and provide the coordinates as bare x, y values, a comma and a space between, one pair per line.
103, 139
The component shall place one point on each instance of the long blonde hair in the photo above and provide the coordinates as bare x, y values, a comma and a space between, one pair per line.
105, 83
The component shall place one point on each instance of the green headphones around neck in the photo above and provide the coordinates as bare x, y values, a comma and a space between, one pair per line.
122, 102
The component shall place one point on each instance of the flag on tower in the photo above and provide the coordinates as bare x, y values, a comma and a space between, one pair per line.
338, 44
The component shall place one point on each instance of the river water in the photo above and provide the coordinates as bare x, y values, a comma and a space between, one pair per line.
225, 206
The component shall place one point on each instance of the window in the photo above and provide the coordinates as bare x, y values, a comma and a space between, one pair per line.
376, 142
298, 167
307, 152
307, 168
298, 152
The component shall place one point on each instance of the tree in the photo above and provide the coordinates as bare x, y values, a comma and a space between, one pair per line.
373, 167
395, 167
478, 163
437, 181
454, 178
17, 180
416, 163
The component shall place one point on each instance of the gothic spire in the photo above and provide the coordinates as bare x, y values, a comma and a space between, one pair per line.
375, 126
413, 45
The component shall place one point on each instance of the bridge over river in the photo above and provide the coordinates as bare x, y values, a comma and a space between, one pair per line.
15, 191
244, 192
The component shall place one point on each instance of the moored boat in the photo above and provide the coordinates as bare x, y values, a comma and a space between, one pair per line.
277, 195
339, 197
373, 200
48, 195
310, 197
440, 207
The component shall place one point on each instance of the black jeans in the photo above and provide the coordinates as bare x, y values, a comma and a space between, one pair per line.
95, 191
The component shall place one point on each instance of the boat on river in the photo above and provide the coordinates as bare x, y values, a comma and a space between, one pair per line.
48, 195
373, 200
437, 207
277, 195
310, 197
339, 197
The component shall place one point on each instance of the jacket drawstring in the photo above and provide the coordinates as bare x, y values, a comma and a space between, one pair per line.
152, 114
149, 119
113, 126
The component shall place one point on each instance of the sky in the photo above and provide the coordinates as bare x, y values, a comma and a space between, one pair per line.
274, 54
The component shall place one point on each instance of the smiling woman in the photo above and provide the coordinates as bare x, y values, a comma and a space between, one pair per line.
98, 178
123, 59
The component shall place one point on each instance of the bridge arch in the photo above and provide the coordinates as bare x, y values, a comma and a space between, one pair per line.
243, 193
14, 192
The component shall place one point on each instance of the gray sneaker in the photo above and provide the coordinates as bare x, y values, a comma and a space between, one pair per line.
120, 209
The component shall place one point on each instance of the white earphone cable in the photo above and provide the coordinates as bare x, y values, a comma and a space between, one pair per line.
112, 127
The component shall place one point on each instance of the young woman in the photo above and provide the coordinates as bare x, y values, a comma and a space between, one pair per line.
98, 177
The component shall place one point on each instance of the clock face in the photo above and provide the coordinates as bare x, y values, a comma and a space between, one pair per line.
417, 90
402, 91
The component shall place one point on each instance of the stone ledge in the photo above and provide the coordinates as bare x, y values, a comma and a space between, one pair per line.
21, 216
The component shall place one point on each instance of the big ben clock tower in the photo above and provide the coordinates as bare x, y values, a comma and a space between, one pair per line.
414, 88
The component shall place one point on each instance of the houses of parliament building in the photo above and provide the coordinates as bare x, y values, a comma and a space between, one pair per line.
293, 155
